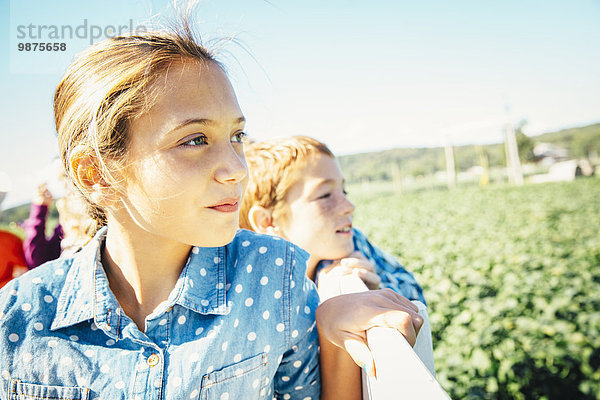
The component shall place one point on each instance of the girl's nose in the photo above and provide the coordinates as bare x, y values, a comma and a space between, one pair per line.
233, 167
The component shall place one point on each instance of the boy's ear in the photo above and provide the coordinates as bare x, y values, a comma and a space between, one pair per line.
88, 177
261, 220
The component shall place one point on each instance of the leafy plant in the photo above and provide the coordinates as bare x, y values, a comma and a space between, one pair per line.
512, 278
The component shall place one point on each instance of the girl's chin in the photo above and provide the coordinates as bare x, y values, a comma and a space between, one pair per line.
223, 239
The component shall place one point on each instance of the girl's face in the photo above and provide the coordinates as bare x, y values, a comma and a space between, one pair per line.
317, 215
185, 169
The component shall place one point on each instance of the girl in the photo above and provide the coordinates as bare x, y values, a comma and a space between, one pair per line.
168, 301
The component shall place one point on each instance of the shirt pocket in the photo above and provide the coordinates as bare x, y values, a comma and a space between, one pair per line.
243, 380
31, 391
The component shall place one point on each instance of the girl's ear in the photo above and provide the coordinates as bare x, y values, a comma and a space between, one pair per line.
261, 220
88, 178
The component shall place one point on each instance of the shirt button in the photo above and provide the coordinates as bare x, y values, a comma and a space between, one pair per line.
153, 360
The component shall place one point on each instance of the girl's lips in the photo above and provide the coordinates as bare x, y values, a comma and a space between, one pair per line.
226, 207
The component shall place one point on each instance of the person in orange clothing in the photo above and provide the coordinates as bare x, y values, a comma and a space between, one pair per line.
12, 260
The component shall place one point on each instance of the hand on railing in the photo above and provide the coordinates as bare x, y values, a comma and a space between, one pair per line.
350, 316
398, 365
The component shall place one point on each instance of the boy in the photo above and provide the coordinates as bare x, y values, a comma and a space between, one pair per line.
296, 191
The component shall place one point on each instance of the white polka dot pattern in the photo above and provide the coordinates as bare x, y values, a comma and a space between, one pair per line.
248, 312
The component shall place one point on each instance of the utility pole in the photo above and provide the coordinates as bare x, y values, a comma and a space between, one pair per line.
513, 163
450, 167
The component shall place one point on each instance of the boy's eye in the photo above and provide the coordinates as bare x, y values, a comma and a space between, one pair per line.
197, 141
239, 137
326, 195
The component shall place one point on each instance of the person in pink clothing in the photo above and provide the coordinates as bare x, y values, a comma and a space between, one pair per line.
38, 248
68, 236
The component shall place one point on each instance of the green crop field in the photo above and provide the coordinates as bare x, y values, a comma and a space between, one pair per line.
512, 278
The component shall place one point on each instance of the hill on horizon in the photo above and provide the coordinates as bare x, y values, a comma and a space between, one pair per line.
380, 165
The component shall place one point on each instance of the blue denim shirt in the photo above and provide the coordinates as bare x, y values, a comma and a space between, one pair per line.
239, 324
393, 275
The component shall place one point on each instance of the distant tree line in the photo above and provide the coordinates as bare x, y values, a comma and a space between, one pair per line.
581, 142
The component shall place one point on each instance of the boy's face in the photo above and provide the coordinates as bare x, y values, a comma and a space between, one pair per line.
317, 215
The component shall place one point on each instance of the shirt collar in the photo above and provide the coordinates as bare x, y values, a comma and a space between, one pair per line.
86, 293
201, 285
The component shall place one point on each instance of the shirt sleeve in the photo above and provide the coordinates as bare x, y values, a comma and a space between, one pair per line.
7, 327
298, 374
393, 275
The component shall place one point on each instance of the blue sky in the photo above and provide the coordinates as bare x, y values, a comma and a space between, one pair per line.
360, 75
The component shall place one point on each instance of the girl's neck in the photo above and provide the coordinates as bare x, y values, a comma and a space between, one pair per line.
142, 269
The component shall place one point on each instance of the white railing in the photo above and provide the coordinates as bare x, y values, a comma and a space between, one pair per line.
402, 372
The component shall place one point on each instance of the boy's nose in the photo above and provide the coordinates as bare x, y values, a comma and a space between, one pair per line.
346, 207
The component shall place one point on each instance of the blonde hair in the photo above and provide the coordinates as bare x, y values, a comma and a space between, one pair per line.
106, 86
274, 166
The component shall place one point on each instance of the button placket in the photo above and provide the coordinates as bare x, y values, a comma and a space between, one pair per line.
149, 373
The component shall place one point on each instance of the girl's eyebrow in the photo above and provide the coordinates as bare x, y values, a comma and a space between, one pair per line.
204, 121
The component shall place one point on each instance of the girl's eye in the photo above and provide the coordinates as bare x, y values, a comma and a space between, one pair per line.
345, 192
325, 196
197, 141
239, 137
